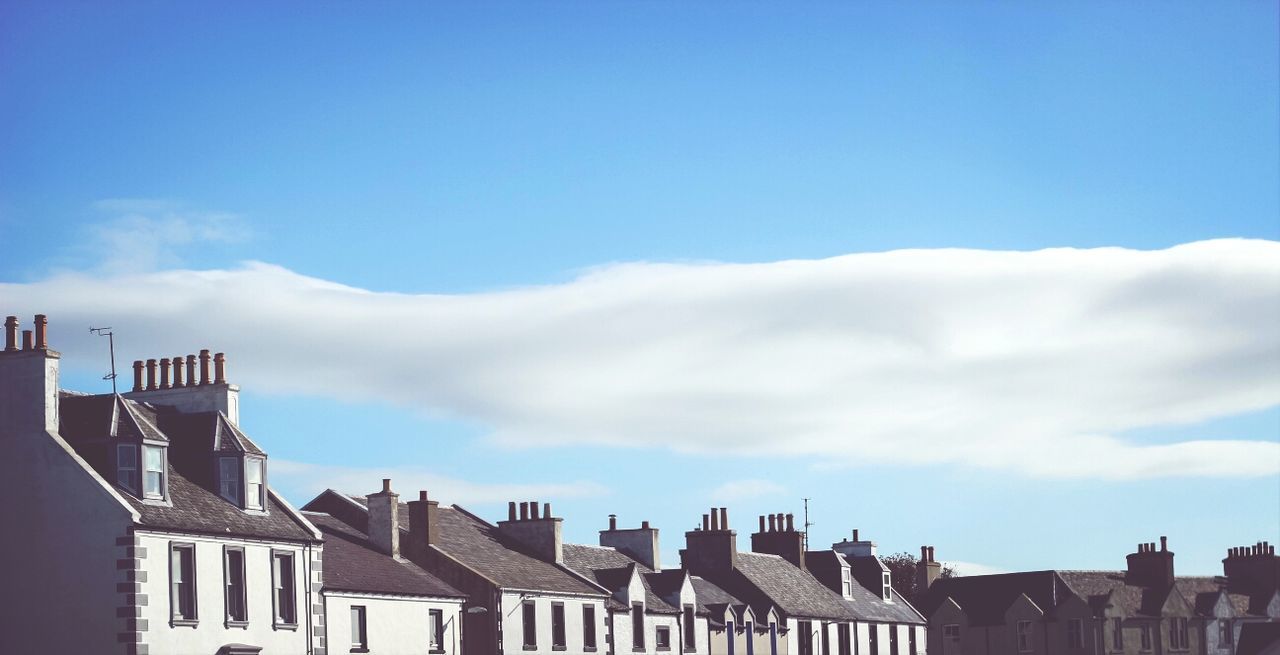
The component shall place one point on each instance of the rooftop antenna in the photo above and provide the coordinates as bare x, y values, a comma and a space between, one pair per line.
806, 524
111, 342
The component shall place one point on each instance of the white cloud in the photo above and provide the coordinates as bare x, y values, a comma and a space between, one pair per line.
1021, 362
307, 480
973, 568
146, 234
736, 490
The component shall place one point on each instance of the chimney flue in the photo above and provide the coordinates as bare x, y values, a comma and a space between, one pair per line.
26, 340
204, 367
524, 511
762, 523
137, 375
855, 534
42, 332
10, 333
924, 553
715, 519
386, 485
706, 521
177, 372
644, 525
773, 523
791, 523
613, 521
546, 510
219, 368
191, 370
164, 372
151, 375
533, 509
724, 518
511, 510
1164, 544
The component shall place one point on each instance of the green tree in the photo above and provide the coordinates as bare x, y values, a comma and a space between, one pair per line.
902, 568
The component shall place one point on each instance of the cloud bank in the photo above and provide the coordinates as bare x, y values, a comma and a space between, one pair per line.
1022, 362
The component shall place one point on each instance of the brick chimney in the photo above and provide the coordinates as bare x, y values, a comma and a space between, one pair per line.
424, 527
1149, 567
855, 547
927, 571
1252, 569
712, 549
540, 533
640, 543
187, 393
384, 519
781, 538
28, 380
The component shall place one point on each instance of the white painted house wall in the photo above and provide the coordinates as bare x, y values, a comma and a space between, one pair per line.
513, 623
211, 631
394, 625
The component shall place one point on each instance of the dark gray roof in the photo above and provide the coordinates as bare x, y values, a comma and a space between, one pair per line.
611, 569
985, 598
480, 546
1109, 587
792, 590
867, 605
352, 563
1257, 638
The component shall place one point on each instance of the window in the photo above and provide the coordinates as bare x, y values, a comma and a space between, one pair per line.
637, 627
359, 638
773, 638
873, 638
589, 627
529, 620
233, 574
951, 639
1146, 637
824, 638
1075, 633
229, 478
557, 626
662, 638
435, 634
846, 583
893, 639
911, 639
842, 639
127, 466
1024, 636
1224, 633
1178, 638
750, 630
1117, 634
728, 633
886, 589
689, 627
153, 482
182, 583
253, 484
282, 581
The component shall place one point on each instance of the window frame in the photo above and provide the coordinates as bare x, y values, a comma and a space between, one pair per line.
278, 620
1226, 635
637, 627
529, 624
843, 640
773, 638
950, 639
229, 620
729, 633
1117, 633
912, 647
588, 627
237, 466
688, 628
886, 590
145, 471
1075, 634
1145, 638
1019, 633
261, 466
132, 459
435, 631
359, 628
873, 638
846, 582
176, 619
658, 631
559, 631
893, 639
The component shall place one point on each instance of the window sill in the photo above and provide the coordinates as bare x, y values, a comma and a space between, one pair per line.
285, 626
186, 623
359, 649
530, 647
558, 648
589, 649
243, 625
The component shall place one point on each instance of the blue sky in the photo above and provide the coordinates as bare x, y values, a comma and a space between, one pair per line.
474, 153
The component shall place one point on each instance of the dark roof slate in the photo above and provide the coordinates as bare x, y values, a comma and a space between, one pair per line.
985, 598
792, 590
611, 569
352, 563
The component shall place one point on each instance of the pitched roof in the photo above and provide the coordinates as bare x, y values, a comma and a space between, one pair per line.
611, 569
480, 546
712, 599
193, 505
1258, 638
352, 563
984, 598
792, 590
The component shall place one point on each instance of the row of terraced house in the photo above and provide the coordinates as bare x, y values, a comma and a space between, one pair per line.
144, 522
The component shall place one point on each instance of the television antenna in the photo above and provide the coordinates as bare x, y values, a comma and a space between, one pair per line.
807, 523
111, 343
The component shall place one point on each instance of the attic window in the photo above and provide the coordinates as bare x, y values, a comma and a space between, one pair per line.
241, 481
153, 466
229, 478
887, 587
253, 483
846, 583
127, 466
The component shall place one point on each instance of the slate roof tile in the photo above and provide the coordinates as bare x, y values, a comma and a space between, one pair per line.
353, 563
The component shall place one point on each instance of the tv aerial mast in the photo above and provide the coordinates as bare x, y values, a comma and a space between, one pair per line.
111, 343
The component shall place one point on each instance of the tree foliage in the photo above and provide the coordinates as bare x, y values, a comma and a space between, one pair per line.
902, 568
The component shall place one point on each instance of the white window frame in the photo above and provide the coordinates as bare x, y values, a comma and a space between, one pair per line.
229, 592
255, 498
131, 459
846, 582
435, 624
1024, 629
236, 466
176, 591
279, 620
161, 493
359, 629
887, 588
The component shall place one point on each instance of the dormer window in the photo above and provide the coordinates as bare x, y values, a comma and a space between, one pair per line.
153, 478
846, 583
887, 590
240, 481
127, 466
151, 484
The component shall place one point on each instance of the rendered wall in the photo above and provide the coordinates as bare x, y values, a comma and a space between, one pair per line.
393, 625
513, 624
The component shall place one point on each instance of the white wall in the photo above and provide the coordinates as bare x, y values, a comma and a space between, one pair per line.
513, 625
394, 625
212, 631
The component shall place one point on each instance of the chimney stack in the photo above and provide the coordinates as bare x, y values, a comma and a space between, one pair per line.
42, 332
1150, 567
10, 334
164, 373
384, 519
137, 375
424, 527
204, 367
784, 542
151, 375
855, 547
641, 543
177, 372
541, 534
1252, 570
714, 549
927, 571
219, 368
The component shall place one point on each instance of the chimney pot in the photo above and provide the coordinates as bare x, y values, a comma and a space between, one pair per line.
511, 511
762, 523
724, 518
220, 368
191, 370
10, 333
924, 553
422, 495
164, 373
177, 371
386, 485
546, 510
151, 375
613, 521
791, 523
524, 511
26, 340
855, 534
1164, 544
715, 519
773, 523
42, 334
706, 521
931, 556
204, 367
137, 375
644, 525
533, 509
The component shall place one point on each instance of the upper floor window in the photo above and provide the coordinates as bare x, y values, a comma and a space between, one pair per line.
229, 478
253, 498
886, 586
893, 639
873, 638
846, 583
662, 638
1145, 635
1178, 637
728, 633
1117, 633
1024, 636
1224, 632
182, 583
153, 474
284, 594
241, 481
690, 633
558, 641
127, 466
435, 634
589, 626
530, 625
236, 592
359, 633
637, 626
1075, 633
